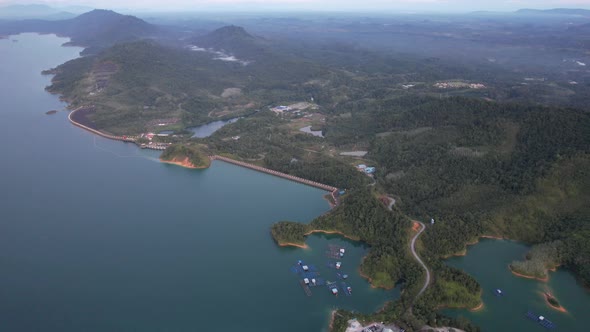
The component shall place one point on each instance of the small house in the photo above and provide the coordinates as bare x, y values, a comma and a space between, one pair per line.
361, 167
338, 264
370, 170
335, 291
305, 268
313, 281
306, 281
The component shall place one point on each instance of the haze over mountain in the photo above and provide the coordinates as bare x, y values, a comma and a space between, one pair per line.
97, 28
555, 11
235, 40
41, 11
320, 5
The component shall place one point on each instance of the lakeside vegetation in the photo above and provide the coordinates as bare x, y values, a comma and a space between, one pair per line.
539, 259
188, 155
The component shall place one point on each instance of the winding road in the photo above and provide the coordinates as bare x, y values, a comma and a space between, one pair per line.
413, 247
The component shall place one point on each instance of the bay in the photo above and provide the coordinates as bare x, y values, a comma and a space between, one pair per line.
488, 262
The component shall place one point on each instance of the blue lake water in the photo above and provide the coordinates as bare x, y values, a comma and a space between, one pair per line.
488, 262
97, 235
208, 129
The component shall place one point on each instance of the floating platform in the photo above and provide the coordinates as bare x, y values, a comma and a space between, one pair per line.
342, 276
540, 319
498, 292
332, 287
301, 267
335, 252
346, 289
334, 265
306, 288
318, 282
309, 274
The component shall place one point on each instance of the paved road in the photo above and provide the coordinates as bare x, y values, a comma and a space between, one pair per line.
413, 247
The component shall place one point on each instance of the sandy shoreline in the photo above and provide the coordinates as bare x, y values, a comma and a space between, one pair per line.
527, 276
546, 296
291, 244
474, 309
286, 244
183, 163
478, 308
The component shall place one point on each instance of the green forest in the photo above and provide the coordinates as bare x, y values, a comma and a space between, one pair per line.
471, 160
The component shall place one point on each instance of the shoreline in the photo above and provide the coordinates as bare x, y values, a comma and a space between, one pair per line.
463, 251
546, 279
332, 318
291, 244
313, 231
478, 308
370, 280
184, 164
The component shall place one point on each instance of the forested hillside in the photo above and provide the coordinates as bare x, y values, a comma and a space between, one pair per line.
447, 148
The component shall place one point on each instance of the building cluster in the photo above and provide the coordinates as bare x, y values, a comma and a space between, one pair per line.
355, 326
150, 136
455, 85
366, 169
280, 109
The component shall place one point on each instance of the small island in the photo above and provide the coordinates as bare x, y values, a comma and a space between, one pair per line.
51, 112
186, 156
552, 301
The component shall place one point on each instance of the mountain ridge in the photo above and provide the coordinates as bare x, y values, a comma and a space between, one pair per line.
96, 29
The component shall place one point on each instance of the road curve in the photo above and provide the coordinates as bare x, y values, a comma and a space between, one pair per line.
413, 247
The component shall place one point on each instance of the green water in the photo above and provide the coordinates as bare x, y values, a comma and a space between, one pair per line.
488, 262
97, 235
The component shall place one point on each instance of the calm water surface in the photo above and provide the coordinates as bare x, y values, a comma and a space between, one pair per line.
97, 235
488, 262
208, 129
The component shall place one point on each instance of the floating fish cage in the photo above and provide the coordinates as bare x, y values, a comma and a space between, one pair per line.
334, 265
335, 251
540, 319
332, 287
346, 289
301, 267
309, 274
318, 282
305, 287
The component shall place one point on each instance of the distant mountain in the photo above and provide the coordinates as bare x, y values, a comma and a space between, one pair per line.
40, 11
556, 11
98, 28
234, 40
27, 11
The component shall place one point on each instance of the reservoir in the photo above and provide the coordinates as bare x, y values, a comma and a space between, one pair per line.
488, 262
208, 129
97, 235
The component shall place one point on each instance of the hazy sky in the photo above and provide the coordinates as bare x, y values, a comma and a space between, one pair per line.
322, 5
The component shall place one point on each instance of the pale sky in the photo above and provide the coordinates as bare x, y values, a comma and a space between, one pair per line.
319, 5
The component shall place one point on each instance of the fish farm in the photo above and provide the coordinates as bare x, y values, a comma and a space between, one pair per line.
309, 276
540, 319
